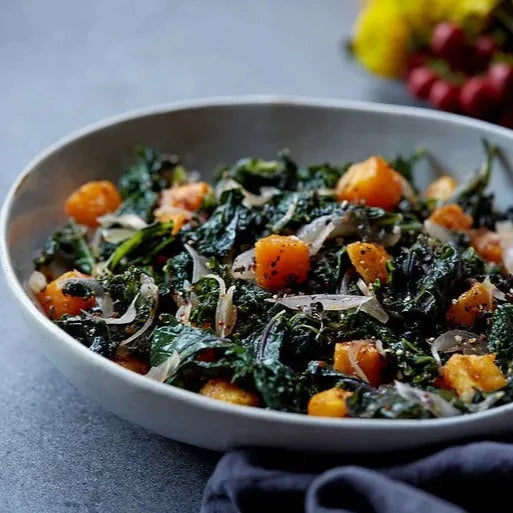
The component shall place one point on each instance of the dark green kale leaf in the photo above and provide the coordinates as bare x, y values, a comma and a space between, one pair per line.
178, 273
405, 165
69, 244
473, 198
422, 276
253, 173
320, 376
384, 403
144, 245
139, 185
412, 358
185, 340
500, 335
123, 287
92, 334
327, 269
320, 176
253, 311
230, 225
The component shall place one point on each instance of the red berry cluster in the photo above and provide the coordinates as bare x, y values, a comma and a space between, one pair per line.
477, 85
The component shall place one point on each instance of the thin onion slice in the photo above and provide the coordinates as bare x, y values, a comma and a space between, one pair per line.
37, 282
436, 231
456, 340
183, 313
352, 353
199, 264
117, 235
283, 221
433, 403
164, 370
250, 199
494, 291
226, 311
335, 302
130, 221
243, 266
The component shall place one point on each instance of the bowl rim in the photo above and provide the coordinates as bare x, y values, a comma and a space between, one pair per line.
18, 290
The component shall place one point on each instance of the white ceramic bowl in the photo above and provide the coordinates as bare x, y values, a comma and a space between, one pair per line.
205, 133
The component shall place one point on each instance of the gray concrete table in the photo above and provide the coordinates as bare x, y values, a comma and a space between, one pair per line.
64, 64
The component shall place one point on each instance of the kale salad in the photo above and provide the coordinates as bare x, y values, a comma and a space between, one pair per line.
330, 290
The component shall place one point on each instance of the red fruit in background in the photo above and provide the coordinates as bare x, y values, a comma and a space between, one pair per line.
477, 98
448, 42
416, 60
420, 81
484, 48
444, 95
500, 78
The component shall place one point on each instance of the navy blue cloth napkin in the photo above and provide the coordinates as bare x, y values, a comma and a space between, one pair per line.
476, 478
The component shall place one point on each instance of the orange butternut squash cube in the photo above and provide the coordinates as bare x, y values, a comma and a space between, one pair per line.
92, 200
442, 188
366, 357
373, 182
465, 309
281, 260
452, 217
487, 244
56, 304
229, 393
369, 260
188, 197
465, 374
329, 403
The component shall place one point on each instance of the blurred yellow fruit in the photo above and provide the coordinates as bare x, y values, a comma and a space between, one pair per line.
385, 30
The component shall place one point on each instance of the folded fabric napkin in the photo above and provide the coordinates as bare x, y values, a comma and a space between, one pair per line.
476, 478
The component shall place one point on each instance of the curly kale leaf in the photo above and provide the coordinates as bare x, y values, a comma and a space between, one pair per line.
92, 334
178, 272
144, 245
405, 165
384, 403
473, 198
320, 176
253, 173
140, 184
69, 244
422, 276
500, 335
230, 225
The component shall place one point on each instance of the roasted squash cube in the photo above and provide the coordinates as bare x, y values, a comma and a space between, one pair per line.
280, 261
92, 200
56, 304
487, 244
442, 188
465, 374
229, 393
452, 217
369, 260
188, 197
472, 303
372, 182
365, 355
329, 403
